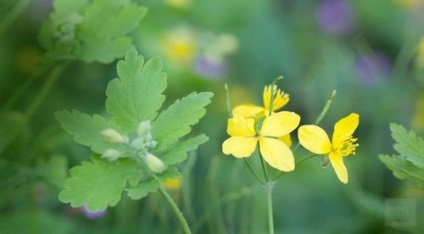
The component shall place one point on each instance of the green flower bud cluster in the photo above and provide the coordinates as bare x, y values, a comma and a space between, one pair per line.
140, 146
65, 30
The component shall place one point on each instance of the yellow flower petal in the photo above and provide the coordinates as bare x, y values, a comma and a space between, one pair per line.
344, 128
241, 127
280, 98
239, 147
248, 110
314, 139
276, 154
339, 167
286, 139
280, 124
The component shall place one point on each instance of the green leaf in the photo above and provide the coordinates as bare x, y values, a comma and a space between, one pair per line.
179, 152
98, 184
175, 122
403, 169
408, 145
65, 7
410, 163
86, 129
143, 189
90, 30
137, 94
103, 29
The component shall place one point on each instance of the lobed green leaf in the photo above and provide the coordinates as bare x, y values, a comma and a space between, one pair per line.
408, 145
137, 94
86, 129
143, 189
98, 184
175, 122
179, 152
403, 169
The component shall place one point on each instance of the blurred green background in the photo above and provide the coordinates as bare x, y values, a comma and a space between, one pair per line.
371, 52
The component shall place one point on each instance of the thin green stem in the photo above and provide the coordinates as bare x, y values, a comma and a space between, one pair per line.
175, 209
305, 159
268, 189
264, 168
253, 171
227, 100
12, 15
326, 108
297, 164
45, 90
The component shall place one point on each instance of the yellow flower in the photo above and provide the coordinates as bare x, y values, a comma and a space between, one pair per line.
180, 46
316, 140
173, 183
244, 138
280, 100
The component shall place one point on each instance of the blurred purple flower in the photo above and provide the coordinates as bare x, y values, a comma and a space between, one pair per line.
335, 16
372, 68
210, 67
93, 214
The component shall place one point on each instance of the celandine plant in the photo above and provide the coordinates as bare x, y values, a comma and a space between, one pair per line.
265, 128
136, 148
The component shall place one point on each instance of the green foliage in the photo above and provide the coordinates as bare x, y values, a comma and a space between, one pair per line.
137, 94
90, 30
175, 122
179, 152
133, 98
143, 189
409, 164
85, 129
98, 184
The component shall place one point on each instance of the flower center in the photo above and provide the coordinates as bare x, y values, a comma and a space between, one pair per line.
347, 146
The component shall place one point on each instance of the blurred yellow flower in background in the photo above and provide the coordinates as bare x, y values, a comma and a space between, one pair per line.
418, 118
316, 140
180, 46
244, 139
173, 183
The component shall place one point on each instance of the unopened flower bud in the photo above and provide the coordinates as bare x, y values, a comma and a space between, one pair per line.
112, 136
143, 128
111, 154
154, 163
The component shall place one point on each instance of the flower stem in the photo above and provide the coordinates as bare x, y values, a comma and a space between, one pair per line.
326, 107
176, 210
253, 171
227, 100
268, 189
12, 15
